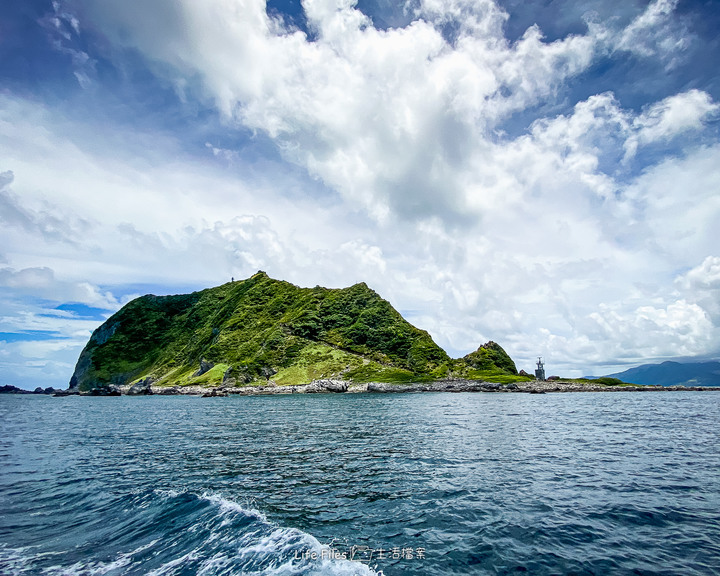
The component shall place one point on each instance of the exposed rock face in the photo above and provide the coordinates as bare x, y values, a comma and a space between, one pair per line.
440, 386
267, 372
326, 386
141, 388
450, 385
110, 390
205, 366
215, 393
68, 392
335, 385
8, 389
84, 363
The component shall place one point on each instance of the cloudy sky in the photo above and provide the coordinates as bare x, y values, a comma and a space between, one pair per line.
542, 174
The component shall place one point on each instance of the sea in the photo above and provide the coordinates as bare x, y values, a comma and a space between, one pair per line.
361, 484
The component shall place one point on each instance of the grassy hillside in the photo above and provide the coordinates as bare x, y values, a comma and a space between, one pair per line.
249, 331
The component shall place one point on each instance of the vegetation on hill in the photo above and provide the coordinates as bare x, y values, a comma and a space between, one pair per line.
604, 381
249, 331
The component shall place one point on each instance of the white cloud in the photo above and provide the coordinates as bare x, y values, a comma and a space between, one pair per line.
701, 285
41, 283
40, 363
62, 28
677, 329
675, 115
386, 118
706, 276
400, 122
655, 32
45, 345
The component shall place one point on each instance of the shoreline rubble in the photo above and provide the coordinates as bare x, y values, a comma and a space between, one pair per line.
146, 388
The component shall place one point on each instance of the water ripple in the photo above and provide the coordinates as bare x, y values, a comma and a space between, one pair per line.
480, 483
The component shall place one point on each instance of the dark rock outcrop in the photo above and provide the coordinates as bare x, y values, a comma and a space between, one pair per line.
141, 388
441, 386
205, 366
168, 391
109, 390
267, 372
215, 393
84, 363
315, 386
7, 389
68, 392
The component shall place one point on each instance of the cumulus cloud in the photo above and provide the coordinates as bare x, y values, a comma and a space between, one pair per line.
674, 115
41, 219
706, 276
41, 282
701, 285
401, 121
680, 328
387, 118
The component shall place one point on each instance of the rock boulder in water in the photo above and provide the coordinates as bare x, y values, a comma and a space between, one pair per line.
109, 390
141, 388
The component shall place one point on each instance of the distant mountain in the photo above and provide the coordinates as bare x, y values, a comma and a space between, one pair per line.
252, 331
673, 374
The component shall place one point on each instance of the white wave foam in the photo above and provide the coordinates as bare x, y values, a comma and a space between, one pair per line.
226, 505
168, 567
21, 561
169, 492
263, 549
270, 543
13, 560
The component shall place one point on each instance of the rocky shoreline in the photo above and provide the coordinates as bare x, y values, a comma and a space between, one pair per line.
8, 389
147, 387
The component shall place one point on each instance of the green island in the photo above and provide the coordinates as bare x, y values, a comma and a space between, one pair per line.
262, 335
260, 330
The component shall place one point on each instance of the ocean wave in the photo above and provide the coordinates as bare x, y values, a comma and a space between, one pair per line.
177, 533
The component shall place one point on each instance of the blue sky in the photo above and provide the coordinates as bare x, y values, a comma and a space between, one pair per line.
545, 175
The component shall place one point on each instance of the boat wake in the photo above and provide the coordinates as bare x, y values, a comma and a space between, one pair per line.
170, 533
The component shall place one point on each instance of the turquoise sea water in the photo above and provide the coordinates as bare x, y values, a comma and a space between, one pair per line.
416, 484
